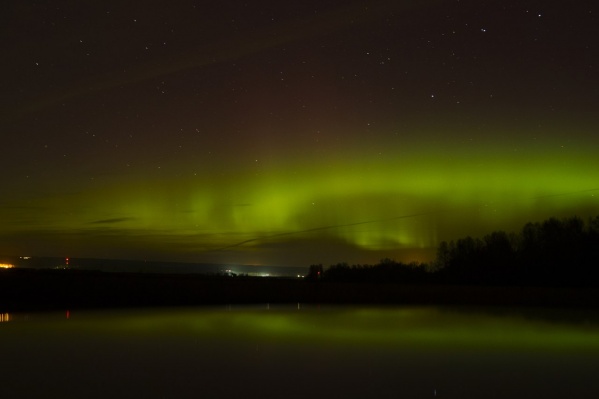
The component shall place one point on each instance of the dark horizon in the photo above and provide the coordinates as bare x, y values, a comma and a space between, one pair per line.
148, 266
552, 252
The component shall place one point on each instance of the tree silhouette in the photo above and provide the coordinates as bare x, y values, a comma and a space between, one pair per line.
553, 252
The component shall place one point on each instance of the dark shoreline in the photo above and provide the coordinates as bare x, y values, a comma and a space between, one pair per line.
45, 290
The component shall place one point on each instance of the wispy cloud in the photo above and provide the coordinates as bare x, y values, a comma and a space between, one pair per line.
112, 221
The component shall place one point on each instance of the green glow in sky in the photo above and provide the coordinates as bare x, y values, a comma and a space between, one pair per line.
398, 202
292, 133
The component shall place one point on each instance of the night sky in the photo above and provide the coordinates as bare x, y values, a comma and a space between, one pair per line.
292, 132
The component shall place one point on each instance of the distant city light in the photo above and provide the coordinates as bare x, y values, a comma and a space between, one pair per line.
4, 317
6, 266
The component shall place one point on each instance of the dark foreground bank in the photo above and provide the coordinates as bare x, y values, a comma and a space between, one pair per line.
31, 289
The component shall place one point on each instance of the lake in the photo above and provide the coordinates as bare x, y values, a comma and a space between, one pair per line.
298, 351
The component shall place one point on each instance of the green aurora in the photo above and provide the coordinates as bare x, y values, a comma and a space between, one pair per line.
292, 133
397, 204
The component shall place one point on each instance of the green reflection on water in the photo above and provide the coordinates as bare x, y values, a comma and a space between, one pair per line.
419, 328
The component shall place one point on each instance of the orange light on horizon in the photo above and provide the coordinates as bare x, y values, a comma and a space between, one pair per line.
4, 317
6, 266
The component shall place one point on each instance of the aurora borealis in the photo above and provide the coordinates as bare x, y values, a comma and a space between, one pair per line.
291, 133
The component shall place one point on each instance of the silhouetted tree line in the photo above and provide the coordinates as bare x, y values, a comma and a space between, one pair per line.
387, 270
550, 253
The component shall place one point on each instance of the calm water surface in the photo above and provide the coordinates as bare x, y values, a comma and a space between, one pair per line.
297, 352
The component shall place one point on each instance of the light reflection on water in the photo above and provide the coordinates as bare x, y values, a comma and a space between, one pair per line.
273, 351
